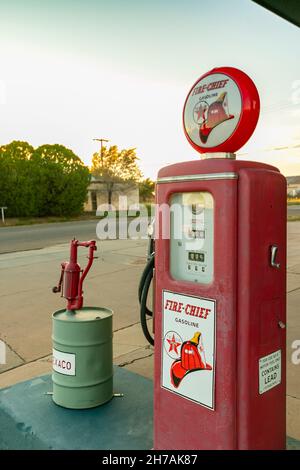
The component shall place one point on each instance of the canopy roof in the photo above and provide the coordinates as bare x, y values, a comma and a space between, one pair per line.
287, 9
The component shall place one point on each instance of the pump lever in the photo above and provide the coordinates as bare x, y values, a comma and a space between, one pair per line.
91, 245
57, 288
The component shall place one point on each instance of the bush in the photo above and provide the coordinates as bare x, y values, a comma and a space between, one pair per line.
50, 180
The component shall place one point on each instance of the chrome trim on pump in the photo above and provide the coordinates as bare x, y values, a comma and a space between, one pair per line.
219, 155
204, 177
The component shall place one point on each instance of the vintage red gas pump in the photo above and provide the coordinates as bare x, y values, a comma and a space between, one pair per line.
220, 262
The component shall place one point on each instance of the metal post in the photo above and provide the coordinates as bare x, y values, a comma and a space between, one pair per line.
2, 214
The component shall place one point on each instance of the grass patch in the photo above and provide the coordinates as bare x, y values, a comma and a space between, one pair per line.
293, 201
15, 221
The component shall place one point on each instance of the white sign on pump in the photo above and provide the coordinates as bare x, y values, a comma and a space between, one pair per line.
269, 371
188, 347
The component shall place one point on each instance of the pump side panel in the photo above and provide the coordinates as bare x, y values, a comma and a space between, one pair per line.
261, 305
178, 422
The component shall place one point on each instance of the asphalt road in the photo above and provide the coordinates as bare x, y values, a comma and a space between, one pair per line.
294, 210
30, 237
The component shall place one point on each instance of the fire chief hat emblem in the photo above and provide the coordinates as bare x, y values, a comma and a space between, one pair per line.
208, 116
192, 358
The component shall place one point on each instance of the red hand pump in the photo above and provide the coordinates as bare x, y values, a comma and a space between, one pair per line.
70, 282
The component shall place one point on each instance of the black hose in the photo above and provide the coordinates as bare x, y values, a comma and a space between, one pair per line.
149, 267
144, 286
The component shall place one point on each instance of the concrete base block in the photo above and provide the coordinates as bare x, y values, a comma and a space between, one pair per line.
30, 420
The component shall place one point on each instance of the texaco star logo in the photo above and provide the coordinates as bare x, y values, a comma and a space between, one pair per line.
200, 112
172, 344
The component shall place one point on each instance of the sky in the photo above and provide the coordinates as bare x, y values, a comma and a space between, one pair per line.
74, 70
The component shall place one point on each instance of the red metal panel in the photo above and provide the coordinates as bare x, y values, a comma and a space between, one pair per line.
261, 305
210, 165
178, 422
250, 216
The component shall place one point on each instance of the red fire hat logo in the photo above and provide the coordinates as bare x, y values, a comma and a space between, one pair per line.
209, 116
192, 359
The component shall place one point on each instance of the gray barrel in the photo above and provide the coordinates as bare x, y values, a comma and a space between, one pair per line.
82, 357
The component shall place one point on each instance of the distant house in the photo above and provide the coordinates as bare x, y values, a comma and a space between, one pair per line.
293, 186
97, 194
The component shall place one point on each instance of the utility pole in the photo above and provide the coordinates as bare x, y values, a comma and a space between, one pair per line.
101, 154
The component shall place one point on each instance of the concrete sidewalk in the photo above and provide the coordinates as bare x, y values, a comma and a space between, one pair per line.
293, 329
27, 302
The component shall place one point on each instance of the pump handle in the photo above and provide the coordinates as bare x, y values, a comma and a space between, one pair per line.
57, 288
70, 268
92, 247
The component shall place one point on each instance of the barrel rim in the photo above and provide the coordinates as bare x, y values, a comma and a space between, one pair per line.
108, 310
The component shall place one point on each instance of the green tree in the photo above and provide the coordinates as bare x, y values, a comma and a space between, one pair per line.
63, 180
146, 190
16, 173
115, 166
50, 180
17, 150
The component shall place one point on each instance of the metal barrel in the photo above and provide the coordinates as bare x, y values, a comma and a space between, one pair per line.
82, 357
